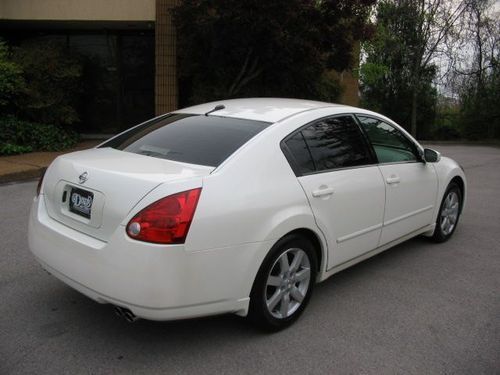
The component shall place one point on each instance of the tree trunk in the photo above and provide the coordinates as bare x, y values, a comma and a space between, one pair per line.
414, 113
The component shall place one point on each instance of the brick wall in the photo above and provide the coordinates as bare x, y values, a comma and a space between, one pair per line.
165, 64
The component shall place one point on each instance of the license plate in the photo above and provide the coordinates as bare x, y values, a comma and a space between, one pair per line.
80, 202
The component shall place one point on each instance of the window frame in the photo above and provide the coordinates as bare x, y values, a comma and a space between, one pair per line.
295, 166
416, 148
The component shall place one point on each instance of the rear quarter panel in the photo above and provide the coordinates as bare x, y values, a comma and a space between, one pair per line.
252, 200
252, 197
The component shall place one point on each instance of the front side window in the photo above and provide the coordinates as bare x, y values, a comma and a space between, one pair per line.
390, 145
193, 139
329, 143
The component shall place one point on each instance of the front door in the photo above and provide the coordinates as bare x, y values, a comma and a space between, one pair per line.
411, 184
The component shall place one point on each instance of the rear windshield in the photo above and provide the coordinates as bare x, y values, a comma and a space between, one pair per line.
194, 139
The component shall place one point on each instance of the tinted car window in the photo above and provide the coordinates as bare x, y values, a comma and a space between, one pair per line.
389, 143
300, 155
194, 139
336, 142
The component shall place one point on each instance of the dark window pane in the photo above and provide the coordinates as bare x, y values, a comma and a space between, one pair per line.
336, 142
300, 154
389, 143
203, 140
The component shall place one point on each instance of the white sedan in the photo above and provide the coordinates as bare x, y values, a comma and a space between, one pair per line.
237, 206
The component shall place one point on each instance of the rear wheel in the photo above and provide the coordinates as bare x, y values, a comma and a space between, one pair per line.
449, 213
284, 283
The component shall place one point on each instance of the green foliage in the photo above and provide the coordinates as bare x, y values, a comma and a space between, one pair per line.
373, 72
446, 132
233, 48
18, 136
388, 73
446, 126
10, 149
329, 88
11, 78
36, 83
53, 83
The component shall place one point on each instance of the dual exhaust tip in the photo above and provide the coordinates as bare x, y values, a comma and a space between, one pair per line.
125, 313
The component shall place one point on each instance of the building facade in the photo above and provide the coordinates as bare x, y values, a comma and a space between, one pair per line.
129, 53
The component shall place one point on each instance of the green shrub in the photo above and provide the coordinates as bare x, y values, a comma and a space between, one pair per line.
11, 79
18, 136
10, 149
446, 132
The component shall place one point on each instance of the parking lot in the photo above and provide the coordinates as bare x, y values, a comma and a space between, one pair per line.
419, 308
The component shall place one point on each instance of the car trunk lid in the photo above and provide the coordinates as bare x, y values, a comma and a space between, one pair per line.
92, 191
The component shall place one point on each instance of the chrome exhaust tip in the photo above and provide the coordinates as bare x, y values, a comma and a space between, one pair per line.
125, 313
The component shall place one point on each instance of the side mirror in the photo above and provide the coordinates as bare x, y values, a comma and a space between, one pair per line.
431, 156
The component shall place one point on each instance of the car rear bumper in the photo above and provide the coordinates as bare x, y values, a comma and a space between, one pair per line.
155, 282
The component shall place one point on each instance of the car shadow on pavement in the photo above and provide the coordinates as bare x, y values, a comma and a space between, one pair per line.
101, 319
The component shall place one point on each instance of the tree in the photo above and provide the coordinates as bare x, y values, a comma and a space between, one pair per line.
411, 35
476, 71
232, 48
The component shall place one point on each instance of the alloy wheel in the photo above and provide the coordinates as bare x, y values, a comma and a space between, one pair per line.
449, 213
287, 283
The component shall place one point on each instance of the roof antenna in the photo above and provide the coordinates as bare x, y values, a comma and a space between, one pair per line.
217, 108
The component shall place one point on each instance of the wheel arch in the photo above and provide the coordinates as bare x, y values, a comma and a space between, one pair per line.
314, 236
449, 171
461, 184
315, 240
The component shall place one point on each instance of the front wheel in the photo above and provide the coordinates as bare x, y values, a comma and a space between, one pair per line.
449, 213
284, 283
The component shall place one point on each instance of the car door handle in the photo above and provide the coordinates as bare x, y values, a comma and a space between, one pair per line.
322, 192
393, 180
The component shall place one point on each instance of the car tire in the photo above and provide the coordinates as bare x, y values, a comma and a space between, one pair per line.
284, 284
449, 213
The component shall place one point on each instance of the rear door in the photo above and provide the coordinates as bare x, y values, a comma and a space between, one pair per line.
343, 184
411, 184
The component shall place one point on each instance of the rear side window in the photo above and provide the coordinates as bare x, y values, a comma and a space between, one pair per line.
194, 139
300, 155
329, 143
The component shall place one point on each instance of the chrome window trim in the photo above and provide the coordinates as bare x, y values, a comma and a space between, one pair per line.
339, 169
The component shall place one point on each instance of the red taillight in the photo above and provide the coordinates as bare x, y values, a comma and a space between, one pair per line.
39, 186
165, 221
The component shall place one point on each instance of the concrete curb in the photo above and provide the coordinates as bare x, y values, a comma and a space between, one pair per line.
23, 167
31, 174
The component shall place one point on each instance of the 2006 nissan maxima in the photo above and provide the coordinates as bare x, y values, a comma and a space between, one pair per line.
237, 206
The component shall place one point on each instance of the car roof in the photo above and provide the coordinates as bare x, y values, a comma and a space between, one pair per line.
259, 109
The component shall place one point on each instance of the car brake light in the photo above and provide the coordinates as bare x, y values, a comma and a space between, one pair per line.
40, 182
167, 220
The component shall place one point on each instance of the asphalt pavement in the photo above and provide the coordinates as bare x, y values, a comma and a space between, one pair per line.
419, 308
